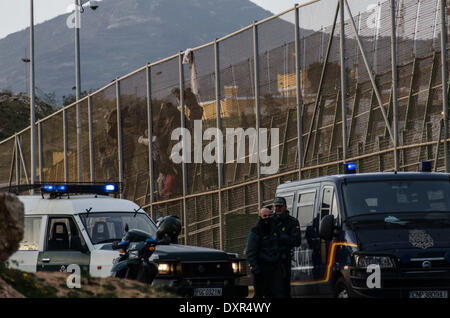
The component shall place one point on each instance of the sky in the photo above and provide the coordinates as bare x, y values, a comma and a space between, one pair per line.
14, 14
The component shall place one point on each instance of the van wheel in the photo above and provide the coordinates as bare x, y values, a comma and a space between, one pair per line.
340, 289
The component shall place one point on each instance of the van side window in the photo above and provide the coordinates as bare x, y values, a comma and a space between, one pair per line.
32, 232
334, 207
305, 208
327, 196
289, 200
63, 234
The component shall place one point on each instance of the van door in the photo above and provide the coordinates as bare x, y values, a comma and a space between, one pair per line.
303, 258
328, 205
26, 257
63, 246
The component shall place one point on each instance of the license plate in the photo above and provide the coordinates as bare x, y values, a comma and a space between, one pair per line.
205, 292
428, 294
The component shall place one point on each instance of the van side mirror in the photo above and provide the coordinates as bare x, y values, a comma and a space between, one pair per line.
326, 227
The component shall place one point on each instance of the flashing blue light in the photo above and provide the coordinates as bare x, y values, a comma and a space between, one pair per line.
110, 188
350, 167
48, 188
61, 188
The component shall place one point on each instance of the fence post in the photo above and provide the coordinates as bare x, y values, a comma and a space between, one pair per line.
444, 79
221, 150
258, 109
41, 177
148, 73
91, 141
343, 82
65, 146
184, 164
298, 92
119, 137
394, 83
16, 149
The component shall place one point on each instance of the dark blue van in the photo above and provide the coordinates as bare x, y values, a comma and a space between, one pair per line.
371, 235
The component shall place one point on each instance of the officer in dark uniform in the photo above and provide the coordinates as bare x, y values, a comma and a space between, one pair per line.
287, 229
263, 256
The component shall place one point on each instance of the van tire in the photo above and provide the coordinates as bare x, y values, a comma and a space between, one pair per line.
341, 289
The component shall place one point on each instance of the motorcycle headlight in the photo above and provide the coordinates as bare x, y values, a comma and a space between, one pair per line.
363, 261
133, 254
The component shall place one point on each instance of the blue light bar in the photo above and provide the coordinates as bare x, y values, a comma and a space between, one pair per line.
102, 189
350, 167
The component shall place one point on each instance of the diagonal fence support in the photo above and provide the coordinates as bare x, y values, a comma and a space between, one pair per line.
322, 78
369, 71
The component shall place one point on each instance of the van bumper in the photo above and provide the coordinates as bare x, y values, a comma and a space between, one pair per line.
398, 284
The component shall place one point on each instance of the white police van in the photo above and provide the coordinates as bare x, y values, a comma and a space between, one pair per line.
77, 223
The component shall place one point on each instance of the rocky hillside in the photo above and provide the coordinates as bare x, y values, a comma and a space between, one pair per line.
15, 112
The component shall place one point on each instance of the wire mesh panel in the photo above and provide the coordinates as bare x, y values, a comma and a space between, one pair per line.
53, 148
133, 111
7, 164
85, 146
238, 106
201, 119
241, 211
278, 94
167, 120
104, 125
203, 220
72, 150
25, 155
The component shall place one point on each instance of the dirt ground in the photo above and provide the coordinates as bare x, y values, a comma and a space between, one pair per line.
17, 284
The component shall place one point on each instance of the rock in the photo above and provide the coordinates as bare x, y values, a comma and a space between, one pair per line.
11, 224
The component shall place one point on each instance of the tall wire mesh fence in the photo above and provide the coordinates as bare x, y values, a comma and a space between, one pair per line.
260, 77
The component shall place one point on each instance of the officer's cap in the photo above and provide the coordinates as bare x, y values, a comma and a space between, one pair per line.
279, 201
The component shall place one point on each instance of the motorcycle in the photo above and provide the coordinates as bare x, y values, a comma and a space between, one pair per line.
134, 261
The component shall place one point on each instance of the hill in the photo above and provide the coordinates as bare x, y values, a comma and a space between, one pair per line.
117, 38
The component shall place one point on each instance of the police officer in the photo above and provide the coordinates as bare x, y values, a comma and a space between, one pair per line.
263, 256
287, 229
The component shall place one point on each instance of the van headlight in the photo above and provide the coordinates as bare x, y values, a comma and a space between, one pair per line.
363, 261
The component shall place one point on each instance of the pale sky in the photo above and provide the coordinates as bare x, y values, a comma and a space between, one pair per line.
14, 14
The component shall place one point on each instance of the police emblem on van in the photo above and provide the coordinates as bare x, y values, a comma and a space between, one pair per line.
420, 239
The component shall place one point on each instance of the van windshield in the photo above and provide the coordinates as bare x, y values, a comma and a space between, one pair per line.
394, 196
108, 227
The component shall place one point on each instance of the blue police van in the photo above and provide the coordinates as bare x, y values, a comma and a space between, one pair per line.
371, 235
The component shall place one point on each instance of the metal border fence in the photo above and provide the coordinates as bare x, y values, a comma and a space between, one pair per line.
377, 97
